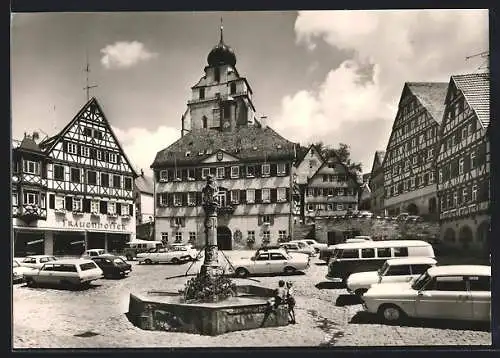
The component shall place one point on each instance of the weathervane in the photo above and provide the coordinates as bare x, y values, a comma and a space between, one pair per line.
87, 70
221, 30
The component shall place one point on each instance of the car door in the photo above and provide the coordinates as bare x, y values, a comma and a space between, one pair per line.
397, 273
262, 263
444, 297
277, 262
46, 274
480, 291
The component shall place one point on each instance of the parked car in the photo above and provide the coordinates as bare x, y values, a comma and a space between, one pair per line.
414, 218
37, 261
68, 273
365, 214
88, 254
165, 255
137, 246
18, 271
112, 266
393, 270
316, 245
359, 238
460, 292
269, 262
300, 246
350, 258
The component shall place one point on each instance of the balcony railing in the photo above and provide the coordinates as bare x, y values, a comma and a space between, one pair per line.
32, 212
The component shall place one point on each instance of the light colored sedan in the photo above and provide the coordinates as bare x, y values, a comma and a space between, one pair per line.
69, 273
299, 247
318, 246
37, 261
457, 292
18, 271
163, 255
270, 262
393, 270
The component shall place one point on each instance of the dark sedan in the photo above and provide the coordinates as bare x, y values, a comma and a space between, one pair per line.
112, 266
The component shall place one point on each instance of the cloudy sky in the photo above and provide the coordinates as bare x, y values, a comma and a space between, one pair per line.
334, 76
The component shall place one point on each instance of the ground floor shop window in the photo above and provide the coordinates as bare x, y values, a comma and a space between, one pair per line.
68, 244
117, 242
26, 243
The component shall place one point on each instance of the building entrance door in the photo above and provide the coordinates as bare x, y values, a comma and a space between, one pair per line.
224, 238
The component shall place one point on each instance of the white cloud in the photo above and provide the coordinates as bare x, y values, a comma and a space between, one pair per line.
124, 54
413, 45
141, 145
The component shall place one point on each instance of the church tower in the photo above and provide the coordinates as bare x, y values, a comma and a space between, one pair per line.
221, 100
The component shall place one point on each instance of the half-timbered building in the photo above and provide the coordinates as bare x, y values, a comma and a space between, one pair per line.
74, 190
463, 162
409, 179
221, 137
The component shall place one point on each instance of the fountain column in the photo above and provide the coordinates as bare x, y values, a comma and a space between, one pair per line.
210, 205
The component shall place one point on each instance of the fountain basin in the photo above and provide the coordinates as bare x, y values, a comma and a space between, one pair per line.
165, 311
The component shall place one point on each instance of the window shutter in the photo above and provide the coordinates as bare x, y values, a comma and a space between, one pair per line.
243, 171
103, 207
131, 209
183, 222
118, 158
170, 175
118, 208
86, 206
260, 220
271, 219
274, 170
184, 173
243, 196
158, 200
287, 169
198, 197
274, 195
65, 146
170, 199
172, 222
258, 195
466, 163
197, 173
68, 203
79, 149
257, 170
184, 199
227, 172
52, 201
287, 198
92, 153
106, 156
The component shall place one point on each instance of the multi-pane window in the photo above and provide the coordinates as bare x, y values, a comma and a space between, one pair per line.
14, 199
266, 169
220, 173
190, 173
75, 175
117, 182
282, 235
461, 166
105, 180
281, 169
192, 236
191, 198
163, 199
440, 176
266, 195
465, 132
99, 154
455, 199
266, 236
205, 172
59, 203
113, 158
128, 183
235, 196
177, 199
266, 219
77, 204
250, 195
412, 182
178, 237
235, 172
92, 177
473, 159
111, 207
85, 151
340, 206
31, 167
329, 207
250, 171
474, 192
94, 206
31, 198
281, 194
431, 177
465, 195
58, 172
125, 209
310, 191
430, 153
72, 148
251, 235
163, 175
164, 237
178, 221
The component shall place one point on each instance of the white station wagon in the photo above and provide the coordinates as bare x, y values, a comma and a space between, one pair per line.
393, 270
269, 262
173, 255
460, 292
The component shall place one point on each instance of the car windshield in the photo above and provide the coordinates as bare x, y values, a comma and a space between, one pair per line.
421, 281
118, 260
15, 264
383, 270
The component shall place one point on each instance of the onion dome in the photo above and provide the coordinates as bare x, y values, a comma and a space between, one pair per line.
221, 54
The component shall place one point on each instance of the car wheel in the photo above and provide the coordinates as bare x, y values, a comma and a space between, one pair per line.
360, 292
175, 260
391, 313
148, 262
289, 270
241, 272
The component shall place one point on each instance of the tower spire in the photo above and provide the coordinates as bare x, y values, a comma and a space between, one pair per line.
87, 70
221, 30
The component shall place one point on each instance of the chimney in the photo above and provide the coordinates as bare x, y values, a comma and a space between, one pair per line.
142, 172
263, 121
35, 136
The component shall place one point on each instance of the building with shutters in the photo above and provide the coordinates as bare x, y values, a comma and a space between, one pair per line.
72, 191
324, 186
252, 164
409, 175
463, 162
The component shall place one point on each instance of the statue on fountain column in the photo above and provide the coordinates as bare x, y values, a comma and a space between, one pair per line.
210, 205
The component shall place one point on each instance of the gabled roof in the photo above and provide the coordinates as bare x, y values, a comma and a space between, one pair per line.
30, 145
144, 184
48, 144
378, 159
246, 143
302, 152
336, 160
431, 95
476, 90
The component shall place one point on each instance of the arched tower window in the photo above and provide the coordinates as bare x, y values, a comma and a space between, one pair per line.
216, 74
204, 122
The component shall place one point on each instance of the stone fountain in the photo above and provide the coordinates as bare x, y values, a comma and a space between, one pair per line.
210, 304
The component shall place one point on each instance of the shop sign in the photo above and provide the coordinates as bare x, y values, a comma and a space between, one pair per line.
90, 225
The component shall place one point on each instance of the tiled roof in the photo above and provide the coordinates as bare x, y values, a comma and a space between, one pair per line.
246, 143
476, 89
29, 144
431, 95
144, 184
